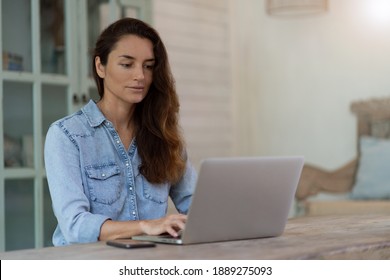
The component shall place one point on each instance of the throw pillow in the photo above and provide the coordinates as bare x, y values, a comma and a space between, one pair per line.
373, 174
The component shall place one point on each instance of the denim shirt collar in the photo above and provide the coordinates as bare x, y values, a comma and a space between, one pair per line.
95, 118
93, 114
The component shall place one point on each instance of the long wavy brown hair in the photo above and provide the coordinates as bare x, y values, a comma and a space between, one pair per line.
158, 136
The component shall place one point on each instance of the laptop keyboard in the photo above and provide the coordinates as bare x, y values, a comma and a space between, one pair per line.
167, 235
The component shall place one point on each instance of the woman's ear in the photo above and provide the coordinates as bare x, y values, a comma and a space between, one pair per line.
100, 69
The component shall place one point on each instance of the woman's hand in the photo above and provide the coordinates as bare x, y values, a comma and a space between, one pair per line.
171, 224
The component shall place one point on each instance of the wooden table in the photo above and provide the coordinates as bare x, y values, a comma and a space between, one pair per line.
323, 237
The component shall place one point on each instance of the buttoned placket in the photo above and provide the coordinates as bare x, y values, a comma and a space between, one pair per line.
126, 157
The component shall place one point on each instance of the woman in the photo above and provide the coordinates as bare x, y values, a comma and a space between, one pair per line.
112, 166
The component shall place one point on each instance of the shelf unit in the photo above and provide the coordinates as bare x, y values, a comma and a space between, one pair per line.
44, 75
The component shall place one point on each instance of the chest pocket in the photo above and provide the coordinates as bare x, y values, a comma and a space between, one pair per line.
157, 193
104, 182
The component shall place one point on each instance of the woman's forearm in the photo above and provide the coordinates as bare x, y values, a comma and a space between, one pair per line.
119, 229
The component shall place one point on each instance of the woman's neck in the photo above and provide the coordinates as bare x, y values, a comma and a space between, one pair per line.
122, 119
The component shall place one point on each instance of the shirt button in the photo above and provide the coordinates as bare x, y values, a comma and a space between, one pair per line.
117, 142
131, 188
103, 175
127, 164
133, 212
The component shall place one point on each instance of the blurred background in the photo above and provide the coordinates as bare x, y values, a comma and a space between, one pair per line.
254, 77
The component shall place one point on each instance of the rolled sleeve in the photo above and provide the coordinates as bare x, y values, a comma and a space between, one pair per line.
181, 193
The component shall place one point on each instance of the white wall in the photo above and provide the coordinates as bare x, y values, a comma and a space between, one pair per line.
294, 78
254, 84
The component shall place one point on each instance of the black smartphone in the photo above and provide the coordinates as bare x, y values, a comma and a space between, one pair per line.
130, 243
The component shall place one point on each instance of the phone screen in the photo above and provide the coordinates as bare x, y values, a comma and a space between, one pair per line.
130, 243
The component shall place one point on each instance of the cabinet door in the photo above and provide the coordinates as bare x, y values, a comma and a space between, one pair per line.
36, 86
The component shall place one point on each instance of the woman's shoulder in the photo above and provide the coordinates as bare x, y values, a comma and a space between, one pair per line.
80, 121
73, 120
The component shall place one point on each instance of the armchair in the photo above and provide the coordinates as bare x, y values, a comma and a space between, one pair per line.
373, 123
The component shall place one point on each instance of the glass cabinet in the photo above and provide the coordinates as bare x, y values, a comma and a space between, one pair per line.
45, 75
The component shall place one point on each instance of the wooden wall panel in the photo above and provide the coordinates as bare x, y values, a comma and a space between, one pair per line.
196, 34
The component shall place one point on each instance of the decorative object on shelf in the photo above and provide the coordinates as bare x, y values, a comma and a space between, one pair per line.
12, 152
52, 34
295, 7
12, 61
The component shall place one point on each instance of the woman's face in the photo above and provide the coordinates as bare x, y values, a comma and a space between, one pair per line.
128, 73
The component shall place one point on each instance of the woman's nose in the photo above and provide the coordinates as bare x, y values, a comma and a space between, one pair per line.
139, 73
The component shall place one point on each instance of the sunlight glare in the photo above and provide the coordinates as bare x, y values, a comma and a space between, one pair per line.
379, 11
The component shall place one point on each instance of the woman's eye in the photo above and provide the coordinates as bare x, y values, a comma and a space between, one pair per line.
125, 65
150, 67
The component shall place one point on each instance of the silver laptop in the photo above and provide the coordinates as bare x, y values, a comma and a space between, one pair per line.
239, 198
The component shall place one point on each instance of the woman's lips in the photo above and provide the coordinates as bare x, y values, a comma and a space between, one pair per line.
137, 88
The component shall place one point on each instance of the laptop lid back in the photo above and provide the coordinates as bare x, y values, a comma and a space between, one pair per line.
242, 198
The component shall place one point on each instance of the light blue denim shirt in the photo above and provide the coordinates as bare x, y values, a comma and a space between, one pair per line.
92, 178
